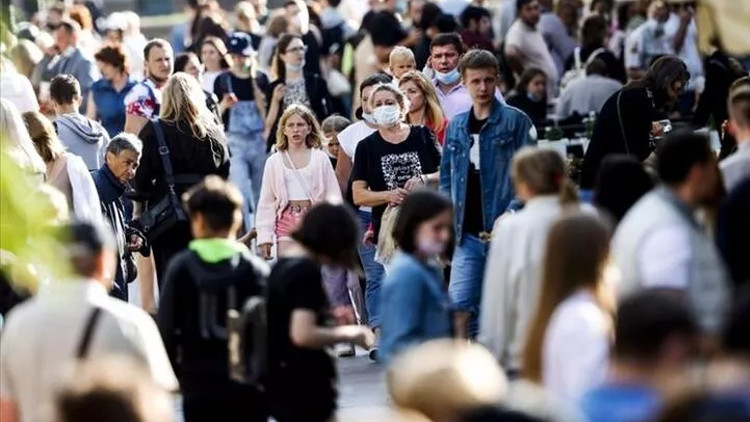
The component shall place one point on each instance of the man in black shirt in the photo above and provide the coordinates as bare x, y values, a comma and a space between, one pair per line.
475, 173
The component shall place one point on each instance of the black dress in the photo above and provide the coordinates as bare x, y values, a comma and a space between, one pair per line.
638, 111
190, 156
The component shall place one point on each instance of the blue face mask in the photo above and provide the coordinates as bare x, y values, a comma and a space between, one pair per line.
533, 97
448, 78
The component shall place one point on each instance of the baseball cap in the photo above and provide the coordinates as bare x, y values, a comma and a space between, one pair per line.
240, 43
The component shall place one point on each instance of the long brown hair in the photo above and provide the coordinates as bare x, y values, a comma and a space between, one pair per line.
575, 257
544, 172
433, 112
43, 136
314, 138
221, 48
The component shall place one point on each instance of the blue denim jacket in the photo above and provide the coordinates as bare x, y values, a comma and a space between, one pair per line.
414, 306
506, 131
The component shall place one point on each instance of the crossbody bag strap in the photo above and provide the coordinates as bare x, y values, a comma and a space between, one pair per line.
622, 126
88, 332
299, 176
164, 154
594, 54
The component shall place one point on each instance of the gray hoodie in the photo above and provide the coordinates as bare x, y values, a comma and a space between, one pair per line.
83, 137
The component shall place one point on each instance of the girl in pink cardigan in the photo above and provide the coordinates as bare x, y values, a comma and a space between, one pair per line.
298, 175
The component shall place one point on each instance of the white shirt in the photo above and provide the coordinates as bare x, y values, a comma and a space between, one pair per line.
512, 277
40, 338
736, 167
296, 184
530, 42
17, 89
689, 52
454, 7
208, 80
350, 137
634, 49
584, 95
576, 348
664, 258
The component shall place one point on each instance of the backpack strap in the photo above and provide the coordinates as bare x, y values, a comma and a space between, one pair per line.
622, 126
85, 343
152, 95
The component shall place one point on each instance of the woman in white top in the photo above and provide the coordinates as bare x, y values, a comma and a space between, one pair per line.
512, 277
216, 60
570, 333
298, 175
65, 171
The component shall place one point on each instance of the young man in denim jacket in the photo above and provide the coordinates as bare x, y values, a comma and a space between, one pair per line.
475, 174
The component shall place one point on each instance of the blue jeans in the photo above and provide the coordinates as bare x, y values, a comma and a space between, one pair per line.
467, 274
246, 168
374, 273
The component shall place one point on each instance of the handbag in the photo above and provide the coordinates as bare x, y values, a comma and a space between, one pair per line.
164, 214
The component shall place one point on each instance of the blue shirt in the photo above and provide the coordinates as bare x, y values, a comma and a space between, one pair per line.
110, 104
620, 403
414, 306
506, 131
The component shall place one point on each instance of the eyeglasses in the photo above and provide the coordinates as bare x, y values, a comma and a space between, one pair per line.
302, 49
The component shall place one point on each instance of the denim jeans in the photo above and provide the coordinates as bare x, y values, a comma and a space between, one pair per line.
467, 274
374, 273
246, 167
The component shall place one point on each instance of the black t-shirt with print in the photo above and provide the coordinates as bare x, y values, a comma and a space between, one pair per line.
473, 214
386, 166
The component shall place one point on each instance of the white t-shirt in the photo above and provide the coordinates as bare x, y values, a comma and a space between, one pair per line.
41, 337
535, 52
17, 89
689, 52
350, 137
208, 80
634, 49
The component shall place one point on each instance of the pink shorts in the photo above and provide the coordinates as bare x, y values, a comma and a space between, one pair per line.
289, 221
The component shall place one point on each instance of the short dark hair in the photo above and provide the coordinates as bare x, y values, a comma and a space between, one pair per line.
521, 3
331, 231
445, 39
375, 79
478, 59
430, 13
678, 153
156, 42
597, 67
646, 320
473, 13
218, 201
739, 106
418, 207
115, 56
64, 88
181, 60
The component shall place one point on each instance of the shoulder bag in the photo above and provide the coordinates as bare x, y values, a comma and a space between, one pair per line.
161, 216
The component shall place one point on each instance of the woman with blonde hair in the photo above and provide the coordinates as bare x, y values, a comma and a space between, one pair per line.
195, 147
16, 143
297, 176
424, 108
64, 171
567, 345
511, 285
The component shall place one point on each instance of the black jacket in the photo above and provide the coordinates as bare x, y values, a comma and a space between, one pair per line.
637, 110
191, 289
720, 75
111, 193
317, 92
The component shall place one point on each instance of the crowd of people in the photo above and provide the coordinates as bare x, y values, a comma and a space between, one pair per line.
277, 184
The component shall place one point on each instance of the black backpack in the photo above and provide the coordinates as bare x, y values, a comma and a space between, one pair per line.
245, 330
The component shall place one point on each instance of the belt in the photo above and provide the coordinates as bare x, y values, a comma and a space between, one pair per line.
298, 208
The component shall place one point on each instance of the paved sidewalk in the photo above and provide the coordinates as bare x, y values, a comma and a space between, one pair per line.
363, 396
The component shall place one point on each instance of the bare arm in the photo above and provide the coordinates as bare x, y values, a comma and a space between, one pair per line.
367, 198
91, 111
343, 169
134, 124
8, 410
304, 332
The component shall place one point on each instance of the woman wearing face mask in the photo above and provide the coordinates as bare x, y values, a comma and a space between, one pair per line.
107, 97
424, 106
531, 96
631, 116
293, 85
415, 305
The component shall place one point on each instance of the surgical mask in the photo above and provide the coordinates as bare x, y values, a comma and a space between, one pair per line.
430, 247
295, 67
369, 118
387, 115
533, 97
448, 78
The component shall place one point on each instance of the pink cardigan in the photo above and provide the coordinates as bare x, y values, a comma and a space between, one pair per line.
274, 197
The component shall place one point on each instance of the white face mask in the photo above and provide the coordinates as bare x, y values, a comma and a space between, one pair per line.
430, 247
387, 115
295, 67
368, 117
